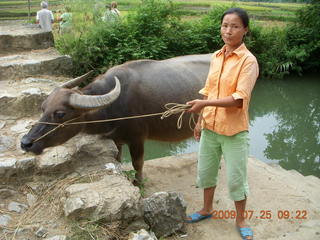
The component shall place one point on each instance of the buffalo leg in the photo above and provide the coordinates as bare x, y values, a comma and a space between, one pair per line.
136, 152
119, 156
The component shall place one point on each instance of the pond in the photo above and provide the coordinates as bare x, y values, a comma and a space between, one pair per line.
284, 126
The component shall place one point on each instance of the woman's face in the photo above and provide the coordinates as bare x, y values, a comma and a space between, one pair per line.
232, 30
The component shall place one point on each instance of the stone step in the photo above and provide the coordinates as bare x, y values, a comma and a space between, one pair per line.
34, 63
16, 36
23, 98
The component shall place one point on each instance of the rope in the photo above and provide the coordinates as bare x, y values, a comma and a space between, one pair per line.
172, 108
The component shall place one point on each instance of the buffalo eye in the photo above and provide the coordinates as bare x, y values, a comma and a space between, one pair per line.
59, 114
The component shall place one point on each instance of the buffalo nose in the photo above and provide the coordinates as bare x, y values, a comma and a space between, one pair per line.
26, 142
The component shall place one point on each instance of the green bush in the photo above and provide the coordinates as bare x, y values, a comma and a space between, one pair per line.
269, 46
155, 31
303, 39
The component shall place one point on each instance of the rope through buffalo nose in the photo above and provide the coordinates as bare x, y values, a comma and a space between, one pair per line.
172, 108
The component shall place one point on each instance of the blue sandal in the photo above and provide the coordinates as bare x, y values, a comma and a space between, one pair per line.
196, 217
245, 233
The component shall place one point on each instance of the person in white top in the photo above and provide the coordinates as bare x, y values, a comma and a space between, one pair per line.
114, 9
45, 17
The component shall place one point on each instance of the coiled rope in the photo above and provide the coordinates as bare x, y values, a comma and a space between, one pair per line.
172, 108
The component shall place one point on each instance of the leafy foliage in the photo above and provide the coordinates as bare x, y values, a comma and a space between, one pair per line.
155, 31
303, 39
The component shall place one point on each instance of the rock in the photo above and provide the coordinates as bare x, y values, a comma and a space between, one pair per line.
17, 207
7, 166
83, 152
165, 213
32, 91
115, 169
96, 147
31, 199
4, 220
136, 225
21, 126
37, 80
6, 143
22, 100
55, 157
73, 205
36, 186
142, 235
2, 124
57, 237
6, 193
26, 163
113, 198
41, 232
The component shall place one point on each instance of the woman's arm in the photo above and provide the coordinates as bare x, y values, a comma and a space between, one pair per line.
198, 104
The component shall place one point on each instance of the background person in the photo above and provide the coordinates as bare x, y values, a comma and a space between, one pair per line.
114, 9
112, 14
222, 128
45, 17
65, 20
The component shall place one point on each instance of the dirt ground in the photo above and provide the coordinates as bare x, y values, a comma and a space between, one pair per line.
283, 204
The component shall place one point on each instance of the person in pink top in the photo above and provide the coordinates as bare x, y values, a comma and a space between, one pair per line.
223, 124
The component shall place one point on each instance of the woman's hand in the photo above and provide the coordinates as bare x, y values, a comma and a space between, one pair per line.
197, 105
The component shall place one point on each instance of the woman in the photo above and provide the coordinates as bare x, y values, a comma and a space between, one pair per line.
65, 20
114, 9
112, 14
222, 127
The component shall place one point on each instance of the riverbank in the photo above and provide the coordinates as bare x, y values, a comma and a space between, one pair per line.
273, 190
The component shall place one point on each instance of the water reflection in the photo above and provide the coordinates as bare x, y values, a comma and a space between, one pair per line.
295, 139
154, 149
284, 126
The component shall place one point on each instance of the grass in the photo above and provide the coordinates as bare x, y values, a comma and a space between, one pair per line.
188, 9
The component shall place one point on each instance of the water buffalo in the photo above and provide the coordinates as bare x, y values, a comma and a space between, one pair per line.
133, 88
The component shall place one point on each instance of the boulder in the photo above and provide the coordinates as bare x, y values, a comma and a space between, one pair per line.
83, 152
55, 157
165, 213
111, 199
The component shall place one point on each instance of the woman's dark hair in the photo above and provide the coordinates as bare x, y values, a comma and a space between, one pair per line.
240, 12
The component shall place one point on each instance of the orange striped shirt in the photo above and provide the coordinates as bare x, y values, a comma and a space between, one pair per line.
232, 76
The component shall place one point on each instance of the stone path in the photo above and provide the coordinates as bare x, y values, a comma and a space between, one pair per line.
30, 68
32, 187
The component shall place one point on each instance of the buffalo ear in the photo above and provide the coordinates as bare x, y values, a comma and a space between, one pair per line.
76, 81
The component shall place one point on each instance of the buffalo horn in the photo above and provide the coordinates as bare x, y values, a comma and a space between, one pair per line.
91, 101
76, 81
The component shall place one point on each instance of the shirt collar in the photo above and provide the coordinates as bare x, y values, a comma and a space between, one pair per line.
240, 51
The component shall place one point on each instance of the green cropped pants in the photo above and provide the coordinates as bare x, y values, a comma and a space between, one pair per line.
235, 150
